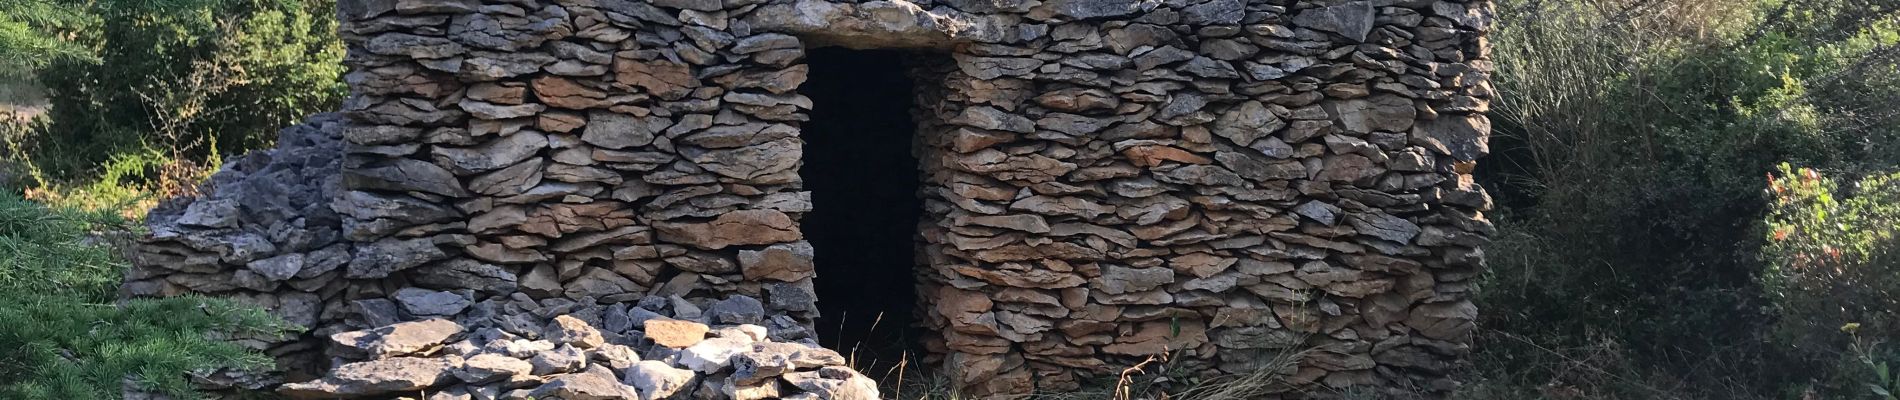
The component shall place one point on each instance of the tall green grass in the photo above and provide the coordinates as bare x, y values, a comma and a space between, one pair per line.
43, 251
64, 336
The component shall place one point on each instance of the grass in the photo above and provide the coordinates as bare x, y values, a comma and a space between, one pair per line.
1264, 380
65, 334
56, 252
1148, 379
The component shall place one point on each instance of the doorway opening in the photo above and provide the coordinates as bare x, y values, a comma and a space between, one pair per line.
864, 181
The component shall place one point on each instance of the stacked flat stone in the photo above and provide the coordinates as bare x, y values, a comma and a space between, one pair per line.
1105, 180
262, 231
1215, 180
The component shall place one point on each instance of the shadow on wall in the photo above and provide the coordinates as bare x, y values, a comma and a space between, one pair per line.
864, 179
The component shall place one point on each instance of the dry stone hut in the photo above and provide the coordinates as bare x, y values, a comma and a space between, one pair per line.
1047, 190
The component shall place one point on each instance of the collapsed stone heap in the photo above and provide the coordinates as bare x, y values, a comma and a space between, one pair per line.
260, 233
663, 358
1105, 180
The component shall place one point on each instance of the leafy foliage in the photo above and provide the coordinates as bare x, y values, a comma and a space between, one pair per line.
59, 349
1879, 376
1633, 137
29, 35
36, 32
1834, 265
188, 80
47, 252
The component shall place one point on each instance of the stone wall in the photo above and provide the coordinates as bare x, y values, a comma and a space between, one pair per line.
1105, 180
1218, 181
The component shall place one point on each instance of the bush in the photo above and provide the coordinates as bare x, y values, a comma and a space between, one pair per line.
29, 35
188, 80
48, 252
59, 348
1633, 136
64, 338
1834, 266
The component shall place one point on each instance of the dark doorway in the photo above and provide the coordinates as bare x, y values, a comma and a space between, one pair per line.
863, 179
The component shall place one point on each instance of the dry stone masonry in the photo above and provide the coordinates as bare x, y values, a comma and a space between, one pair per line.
600, 198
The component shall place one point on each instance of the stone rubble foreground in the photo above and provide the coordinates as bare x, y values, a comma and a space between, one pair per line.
652, 356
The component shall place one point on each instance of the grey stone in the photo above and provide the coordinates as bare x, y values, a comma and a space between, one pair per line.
993, 119
1210, 68
568, 330
490, 66
377, 377
1384, 226
997, 67
1319, 212
464, 273
1122, 280
1464, 137
1258, 170
751, 162
510, 181
1184, 108
1246, 123
1202, 175
738, 309
656, 380
484, 368
431, 303
598, 283
780, 262
504, 32
617, 357
381, 134
1380, 113
712, 355
595, 384
617, 131
277, 268
486, 110
768, 360
368, 206
834, 383
413, 46
563, 359
211, 214
518, 348
493, 155
765, 41
1214, 12
405, 174
380, 258
398, 339
1352, 20
1089, 9
377, 312
1444, 321
1162, 56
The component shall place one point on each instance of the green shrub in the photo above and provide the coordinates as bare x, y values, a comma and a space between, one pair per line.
1633, 136
1834, 271
193, 80
29, 35
64, 336
61, 348
51, 252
